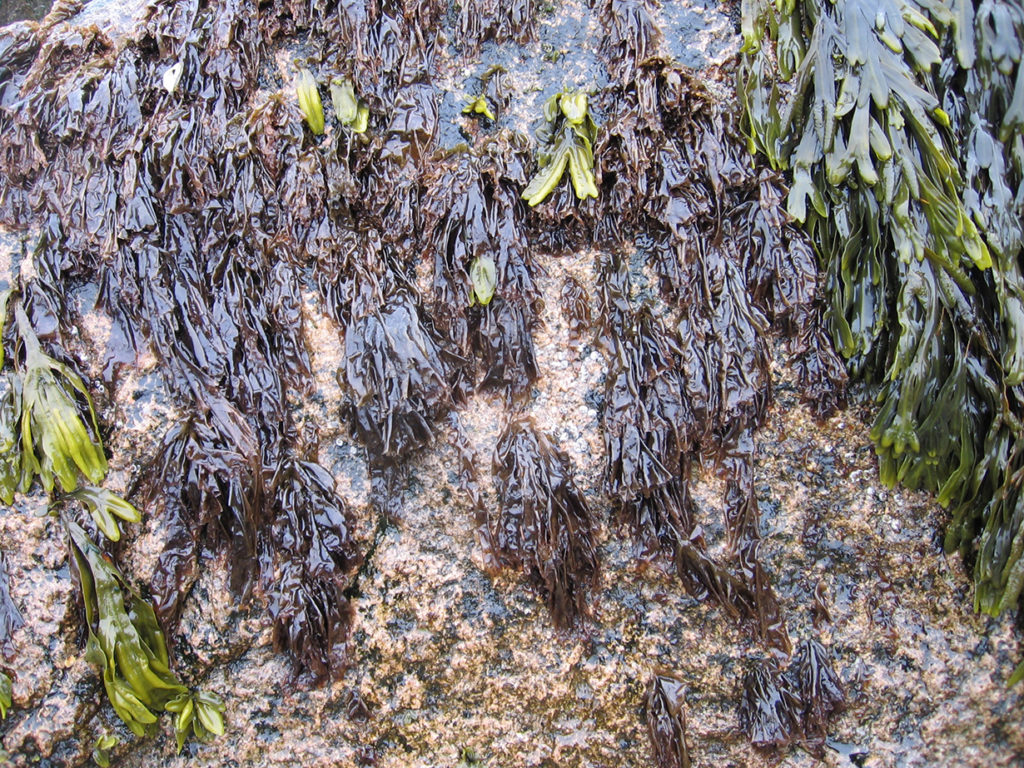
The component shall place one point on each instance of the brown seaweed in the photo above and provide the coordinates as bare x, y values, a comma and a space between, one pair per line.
820, 689
399, 377
206, 485
204, 210
483, 20
472, 213
543, 525
314, 557
770, 710
632, 38
666, 721
575, 306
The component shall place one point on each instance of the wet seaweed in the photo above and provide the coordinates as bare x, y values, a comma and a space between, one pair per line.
204, 485
666, 721
902, 161
566, 140
483, 20
471, 215
632, 39
126, 643
820, 689
315, 557
6, 691
575, 305
399, 376
770, 709
204, 209
543, 525
10, 617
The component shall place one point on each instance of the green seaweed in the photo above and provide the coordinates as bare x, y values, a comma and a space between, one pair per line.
484, 277
55, 441
900, 127
310, 105
567, 138
349, 108
479, 106
5, 695
101, 749
126, 643
106, 508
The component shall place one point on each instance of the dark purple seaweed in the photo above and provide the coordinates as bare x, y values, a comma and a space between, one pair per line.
575, 305
206, 485
497, 20
399, 378
315, 556
820, 689
543, 525
770, 709
204, 213
632, 39
666, 721
471, 213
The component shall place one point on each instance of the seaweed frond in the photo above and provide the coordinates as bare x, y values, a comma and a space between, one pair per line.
566, 141
126, 643
543, 526
666, 721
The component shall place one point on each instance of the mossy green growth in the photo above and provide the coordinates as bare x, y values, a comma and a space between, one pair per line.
349, 108
309, 101
127, 644
566, 141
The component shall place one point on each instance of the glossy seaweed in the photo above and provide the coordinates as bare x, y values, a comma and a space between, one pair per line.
901, 132
10, 617
779, 708
543, 525
666, 721
177, 174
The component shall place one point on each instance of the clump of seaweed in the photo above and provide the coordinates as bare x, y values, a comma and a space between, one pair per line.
902, 161
56, 442
473, 219
566, 139
315, 554
200, 209
543, 525
312, 107
820, 691
128, 646
778, 709
483, 20
575, 306
666, 721
770, 709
